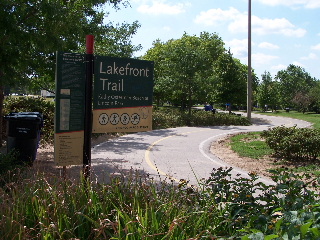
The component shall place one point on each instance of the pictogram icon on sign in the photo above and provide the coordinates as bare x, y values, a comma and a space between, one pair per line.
135, 118
125, 118
144, 113
103, 119
114, 119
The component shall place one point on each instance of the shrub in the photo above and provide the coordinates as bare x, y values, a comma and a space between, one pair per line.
172, 117
31, 104
166, 118
162, 118
292, 142
203, 118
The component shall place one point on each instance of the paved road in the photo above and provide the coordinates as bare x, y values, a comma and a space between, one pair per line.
175, 153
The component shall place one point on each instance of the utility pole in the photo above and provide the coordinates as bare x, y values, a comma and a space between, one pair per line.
249, 83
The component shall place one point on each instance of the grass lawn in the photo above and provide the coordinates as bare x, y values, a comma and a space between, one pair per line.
250, 145
253, 146
308, 116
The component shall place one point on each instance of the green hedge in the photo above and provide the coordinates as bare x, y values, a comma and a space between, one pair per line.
171, 117
293, 143
162, 118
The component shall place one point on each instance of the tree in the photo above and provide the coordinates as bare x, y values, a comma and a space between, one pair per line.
268, 92
116, 42
315, 97
32, 31
291, 81
185, 65
230, 80
162, 87
302, 101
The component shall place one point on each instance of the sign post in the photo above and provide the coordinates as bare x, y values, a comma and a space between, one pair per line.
122, 100
88, 106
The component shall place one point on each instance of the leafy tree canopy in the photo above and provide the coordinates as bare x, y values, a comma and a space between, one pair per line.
32, 31
293, 80
230, 80
268, 92
183, 66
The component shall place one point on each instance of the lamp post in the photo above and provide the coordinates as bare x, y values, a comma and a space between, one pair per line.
249, 82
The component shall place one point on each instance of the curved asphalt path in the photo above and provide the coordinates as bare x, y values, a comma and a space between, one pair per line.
175, 153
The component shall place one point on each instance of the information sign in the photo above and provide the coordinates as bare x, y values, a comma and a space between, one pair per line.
69, 109
122, 96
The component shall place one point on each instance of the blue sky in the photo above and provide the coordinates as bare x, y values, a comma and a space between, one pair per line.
283, 31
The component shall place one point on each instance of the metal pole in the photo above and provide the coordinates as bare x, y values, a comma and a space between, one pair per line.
249, 82
88, 106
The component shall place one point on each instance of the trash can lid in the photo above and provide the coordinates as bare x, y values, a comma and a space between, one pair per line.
29, 116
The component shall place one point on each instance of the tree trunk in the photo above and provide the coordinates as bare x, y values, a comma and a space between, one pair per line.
1, 111
229, 109
190, 104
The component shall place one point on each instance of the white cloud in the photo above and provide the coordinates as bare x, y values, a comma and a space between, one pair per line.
278, 67
239, 48
280, 26
268, 45
293, 3
161, 7
261, 59
213, 17
238, 23
167, 28
311, 56
298, 64
316, 47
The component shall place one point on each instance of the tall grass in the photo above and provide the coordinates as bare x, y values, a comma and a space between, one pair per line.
132, 207
137, 207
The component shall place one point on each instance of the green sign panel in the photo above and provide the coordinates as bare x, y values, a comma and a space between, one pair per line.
122, 96
122, 82
70, 92
69, 109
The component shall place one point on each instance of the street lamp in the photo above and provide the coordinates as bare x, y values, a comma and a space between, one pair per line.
249, 82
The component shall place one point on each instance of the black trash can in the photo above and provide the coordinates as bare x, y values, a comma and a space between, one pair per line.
23, 135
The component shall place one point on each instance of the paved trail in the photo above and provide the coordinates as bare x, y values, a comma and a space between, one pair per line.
176, 153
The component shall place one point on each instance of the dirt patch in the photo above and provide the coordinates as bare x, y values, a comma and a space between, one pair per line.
222, 150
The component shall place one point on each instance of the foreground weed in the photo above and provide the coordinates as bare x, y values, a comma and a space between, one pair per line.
134, 206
